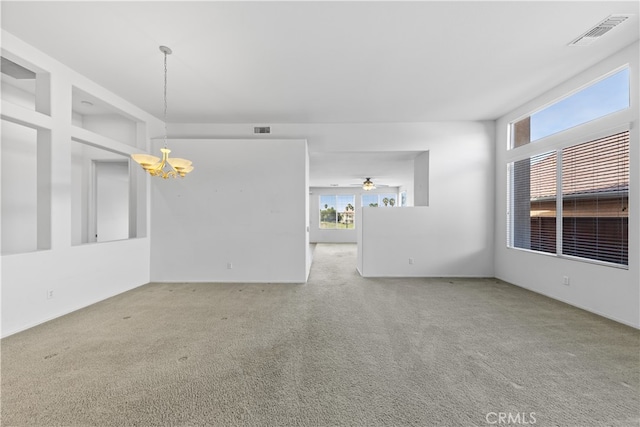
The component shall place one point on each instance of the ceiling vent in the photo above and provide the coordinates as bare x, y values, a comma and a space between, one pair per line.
16, 71
262, 129
599, 30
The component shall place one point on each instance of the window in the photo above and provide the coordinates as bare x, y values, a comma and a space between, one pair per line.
571, 197
337, 212
595, 199
532, 207
594, 180
599, 99
375, 200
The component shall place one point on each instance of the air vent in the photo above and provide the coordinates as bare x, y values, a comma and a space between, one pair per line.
599, 30
16, 71
262, 129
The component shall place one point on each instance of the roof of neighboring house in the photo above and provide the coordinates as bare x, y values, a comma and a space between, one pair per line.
593, 167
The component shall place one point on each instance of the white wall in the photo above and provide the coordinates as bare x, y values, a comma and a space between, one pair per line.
347, 137
421, 180
608, 291
320, 235
16, 95
245, 203
453, 236
111, 126
461, 173
77, 275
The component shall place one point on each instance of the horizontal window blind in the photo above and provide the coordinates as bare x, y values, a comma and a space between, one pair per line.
595, 199
532, 203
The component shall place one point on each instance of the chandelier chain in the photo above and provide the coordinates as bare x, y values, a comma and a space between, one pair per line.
164, 167
165, 99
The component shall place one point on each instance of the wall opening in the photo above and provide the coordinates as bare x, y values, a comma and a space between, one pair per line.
25, 85
95, 115
26, 188
104, 196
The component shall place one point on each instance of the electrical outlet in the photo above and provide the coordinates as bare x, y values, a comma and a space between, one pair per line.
50, 294
411, 261
565, 280
229, 266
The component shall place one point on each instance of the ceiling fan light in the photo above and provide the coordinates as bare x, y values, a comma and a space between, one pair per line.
368, 185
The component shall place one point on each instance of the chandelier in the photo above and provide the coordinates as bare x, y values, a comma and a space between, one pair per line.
165, 167
368, 185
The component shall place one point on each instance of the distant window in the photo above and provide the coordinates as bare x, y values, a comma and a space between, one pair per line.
370, 200
376, 200
337, 212
599, 99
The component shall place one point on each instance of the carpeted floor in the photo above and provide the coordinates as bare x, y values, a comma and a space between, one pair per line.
338, 350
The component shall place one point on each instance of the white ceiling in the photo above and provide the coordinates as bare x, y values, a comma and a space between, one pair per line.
323, 62
351, 168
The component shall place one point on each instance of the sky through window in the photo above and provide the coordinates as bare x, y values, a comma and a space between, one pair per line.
607, 96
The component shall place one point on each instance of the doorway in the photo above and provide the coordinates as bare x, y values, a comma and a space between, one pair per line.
111, 200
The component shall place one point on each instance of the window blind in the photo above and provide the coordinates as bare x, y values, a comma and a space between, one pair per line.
595, 199
533, 203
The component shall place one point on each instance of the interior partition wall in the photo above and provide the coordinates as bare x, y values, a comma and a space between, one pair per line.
240, 216
50, 266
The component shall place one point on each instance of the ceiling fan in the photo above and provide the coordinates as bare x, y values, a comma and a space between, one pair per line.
368, 185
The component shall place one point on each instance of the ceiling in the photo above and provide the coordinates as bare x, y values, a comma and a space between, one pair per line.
323, 62
351, 168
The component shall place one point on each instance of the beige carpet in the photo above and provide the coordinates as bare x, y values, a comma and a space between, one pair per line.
339, 350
